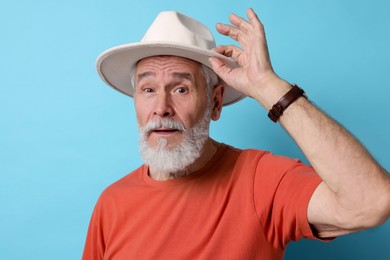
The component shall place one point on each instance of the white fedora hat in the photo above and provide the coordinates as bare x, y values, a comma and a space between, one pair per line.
171, 33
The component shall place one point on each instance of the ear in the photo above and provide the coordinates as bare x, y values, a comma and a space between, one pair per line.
217, 101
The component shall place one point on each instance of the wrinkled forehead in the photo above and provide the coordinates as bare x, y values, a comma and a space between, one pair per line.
173, 66
164, 61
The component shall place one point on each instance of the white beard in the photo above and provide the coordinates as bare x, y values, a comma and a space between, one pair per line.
174, 160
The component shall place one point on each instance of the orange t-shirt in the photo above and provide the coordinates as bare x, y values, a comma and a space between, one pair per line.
241, 205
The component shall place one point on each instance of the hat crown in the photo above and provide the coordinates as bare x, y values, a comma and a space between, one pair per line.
171, 26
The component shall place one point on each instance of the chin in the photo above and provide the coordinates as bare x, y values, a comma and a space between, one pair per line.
165, 143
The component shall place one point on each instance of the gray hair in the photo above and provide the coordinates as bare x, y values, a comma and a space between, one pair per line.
211, 79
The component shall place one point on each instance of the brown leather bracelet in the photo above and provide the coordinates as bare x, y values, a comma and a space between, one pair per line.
292, 95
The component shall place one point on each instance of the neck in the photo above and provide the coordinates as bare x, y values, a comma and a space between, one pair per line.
209, 149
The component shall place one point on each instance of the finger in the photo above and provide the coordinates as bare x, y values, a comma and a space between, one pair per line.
254, 19
252, 16
224, 28
229, 51
240, 22
219, 67
234, 33
228, 30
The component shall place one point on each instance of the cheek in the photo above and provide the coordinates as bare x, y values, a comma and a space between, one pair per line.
139, 119
141, 113
191, 114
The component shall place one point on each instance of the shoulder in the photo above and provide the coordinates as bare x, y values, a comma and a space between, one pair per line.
121, 186
262, 159
258, 159
266, 167
269, 162
244, 154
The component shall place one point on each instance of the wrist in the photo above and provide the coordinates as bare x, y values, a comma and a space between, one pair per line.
271, 91
290, 97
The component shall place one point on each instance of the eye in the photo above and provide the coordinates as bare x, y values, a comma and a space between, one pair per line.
181, 90
147, 90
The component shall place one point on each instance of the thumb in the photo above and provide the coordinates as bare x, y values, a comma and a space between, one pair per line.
220, 68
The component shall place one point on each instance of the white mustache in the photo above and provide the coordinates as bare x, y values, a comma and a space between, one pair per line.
163, 123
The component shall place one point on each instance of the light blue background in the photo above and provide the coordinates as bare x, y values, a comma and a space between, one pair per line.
65, 135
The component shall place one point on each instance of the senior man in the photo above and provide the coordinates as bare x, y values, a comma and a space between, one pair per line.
195, 198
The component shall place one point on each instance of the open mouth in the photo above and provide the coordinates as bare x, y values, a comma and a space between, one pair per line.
165, 131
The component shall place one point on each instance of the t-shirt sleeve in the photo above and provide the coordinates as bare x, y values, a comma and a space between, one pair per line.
282, 191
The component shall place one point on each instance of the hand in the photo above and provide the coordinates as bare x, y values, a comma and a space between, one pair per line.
255, 71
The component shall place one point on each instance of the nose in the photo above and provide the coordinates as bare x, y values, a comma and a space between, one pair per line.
163, 107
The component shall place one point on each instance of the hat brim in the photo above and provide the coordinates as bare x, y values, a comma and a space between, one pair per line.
115, 64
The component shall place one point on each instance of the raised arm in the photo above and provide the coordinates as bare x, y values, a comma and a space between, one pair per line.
355, 192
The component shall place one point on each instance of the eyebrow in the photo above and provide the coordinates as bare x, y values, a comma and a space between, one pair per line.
178, 75
182, 75
145, 75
